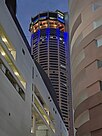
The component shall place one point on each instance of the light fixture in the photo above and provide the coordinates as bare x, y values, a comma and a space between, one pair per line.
16, 73
4, 39
3, 53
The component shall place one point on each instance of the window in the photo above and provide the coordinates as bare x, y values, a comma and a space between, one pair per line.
12, 80
96, 5
23, 51
100, 82
99, 42
12, 66
97, 23
99, 63
60, 38
5, 42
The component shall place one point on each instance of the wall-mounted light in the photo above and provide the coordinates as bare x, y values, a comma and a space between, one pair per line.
16, 73
4, 39
3, 53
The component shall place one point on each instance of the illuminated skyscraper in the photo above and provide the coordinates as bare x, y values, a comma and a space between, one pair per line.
49, 46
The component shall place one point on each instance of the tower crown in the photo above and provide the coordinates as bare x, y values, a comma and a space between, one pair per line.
48, 20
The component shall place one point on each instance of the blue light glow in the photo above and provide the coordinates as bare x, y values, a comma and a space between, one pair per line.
66, 37
32, 37
35, 20
47, 34
43, 17
38, 35
58, 34
66, 40
61, 20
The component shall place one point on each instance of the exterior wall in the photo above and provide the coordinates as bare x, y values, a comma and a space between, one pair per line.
85, 39
17, 77
15, 113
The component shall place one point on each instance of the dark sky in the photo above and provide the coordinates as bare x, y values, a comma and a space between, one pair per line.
29, 8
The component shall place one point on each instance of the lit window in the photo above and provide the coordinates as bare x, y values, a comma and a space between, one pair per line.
61, 16
34, 45
61, 39
12, 66
63, 66
51, 36
5, 42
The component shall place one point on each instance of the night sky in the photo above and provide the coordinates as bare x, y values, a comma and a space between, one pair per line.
29, 8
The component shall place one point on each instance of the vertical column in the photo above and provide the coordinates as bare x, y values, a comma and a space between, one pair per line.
69, 89
58, 36
48, 34
38, 42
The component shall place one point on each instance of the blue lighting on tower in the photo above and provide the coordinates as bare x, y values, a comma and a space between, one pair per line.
58, 35
67, 49
66, 38
32, 37
36, 20
38, 35
58, 32
61, 20
43, 17
47, 34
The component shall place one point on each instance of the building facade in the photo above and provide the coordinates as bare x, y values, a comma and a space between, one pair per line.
86, 57
27, 106
49, 47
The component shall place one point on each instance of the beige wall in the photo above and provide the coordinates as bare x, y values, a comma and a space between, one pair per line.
86, 75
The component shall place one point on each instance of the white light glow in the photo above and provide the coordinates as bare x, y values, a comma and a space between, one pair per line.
3, 53
16, 73
4, 39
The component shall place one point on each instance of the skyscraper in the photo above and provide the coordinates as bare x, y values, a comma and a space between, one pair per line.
86, 54
49, 46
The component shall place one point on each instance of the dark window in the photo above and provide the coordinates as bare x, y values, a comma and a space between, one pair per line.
100, 82
99, 63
